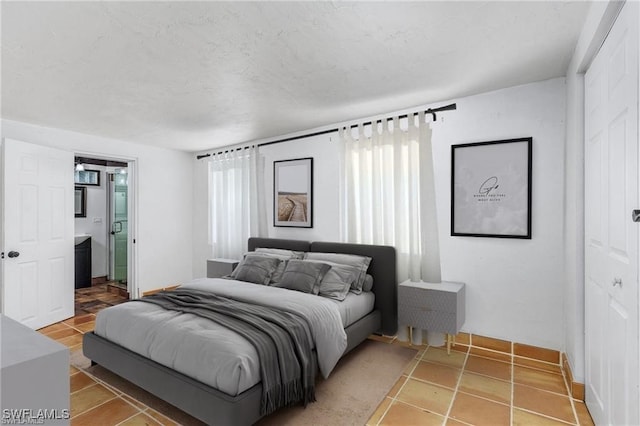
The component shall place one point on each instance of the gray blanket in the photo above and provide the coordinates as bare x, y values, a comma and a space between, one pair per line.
282, 340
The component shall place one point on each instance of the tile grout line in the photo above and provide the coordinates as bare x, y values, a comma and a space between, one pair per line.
456, 390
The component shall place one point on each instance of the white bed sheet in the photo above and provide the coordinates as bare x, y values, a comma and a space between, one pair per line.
355, 306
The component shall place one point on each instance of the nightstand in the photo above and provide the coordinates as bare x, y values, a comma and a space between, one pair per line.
218, 267
432, 306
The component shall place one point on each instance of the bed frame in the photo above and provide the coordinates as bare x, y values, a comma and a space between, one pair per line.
215, 407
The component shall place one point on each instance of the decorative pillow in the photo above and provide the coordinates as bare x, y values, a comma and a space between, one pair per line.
256, 269
337, 281
368, 283
289, 254
303, 276
360, 262
277, 274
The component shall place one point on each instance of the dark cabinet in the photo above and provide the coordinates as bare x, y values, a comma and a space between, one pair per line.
83, 264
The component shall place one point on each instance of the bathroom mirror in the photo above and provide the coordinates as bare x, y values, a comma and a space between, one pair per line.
80, 198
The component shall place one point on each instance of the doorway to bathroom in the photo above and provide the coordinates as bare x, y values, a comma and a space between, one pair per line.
108, 212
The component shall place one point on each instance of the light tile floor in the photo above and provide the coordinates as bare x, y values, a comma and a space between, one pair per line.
462, 388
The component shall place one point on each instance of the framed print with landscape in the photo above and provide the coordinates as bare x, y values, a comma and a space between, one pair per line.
293, 193
491, 189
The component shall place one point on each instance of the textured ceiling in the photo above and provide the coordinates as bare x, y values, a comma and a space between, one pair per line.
197, 75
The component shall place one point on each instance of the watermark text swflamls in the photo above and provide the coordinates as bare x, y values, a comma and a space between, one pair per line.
29, 416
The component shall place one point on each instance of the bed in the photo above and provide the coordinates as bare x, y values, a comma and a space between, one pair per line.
214, 406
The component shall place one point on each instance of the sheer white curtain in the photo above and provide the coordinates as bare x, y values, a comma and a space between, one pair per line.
389, 199
389, 196
236, 207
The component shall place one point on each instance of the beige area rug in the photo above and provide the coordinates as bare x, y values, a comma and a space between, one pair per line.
354, 389
349, 396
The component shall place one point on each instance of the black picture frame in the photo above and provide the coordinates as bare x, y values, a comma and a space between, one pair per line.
80, 201
293, 193
491, 189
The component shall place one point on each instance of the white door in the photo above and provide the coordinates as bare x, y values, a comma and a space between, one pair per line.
611, 237
38, 246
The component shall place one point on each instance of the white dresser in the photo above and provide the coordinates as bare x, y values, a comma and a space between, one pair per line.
34, 376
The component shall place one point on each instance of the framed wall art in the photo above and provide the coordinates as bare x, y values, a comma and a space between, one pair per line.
491, 189
293, 193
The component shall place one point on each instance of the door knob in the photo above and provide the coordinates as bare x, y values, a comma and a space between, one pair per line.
617, 281
13, 254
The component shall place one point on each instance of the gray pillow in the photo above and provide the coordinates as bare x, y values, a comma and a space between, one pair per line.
359, 262
277, 274
288, 254
256, 269
337, 282
303, 276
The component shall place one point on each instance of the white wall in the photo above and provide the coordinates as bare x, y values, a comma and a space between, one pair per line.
164, 237
326, 180
96, 222
514, 287
597, 24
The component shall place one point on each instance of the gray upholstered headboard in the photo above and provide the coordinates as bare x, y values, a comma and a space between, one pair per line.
382, 268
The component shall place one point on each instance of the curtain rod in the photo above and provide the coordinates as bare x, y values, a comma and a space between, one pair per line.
432, 111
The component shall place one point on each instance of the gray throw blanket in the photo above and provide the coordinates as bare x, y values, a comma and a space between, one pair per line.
282, 340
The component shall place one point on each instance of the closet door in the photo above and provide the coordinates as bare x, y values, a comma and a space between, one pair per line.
611, 236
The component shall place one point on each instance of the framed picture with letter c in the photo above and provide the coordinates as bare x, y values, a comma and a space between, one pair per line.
491, 189
293, 193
